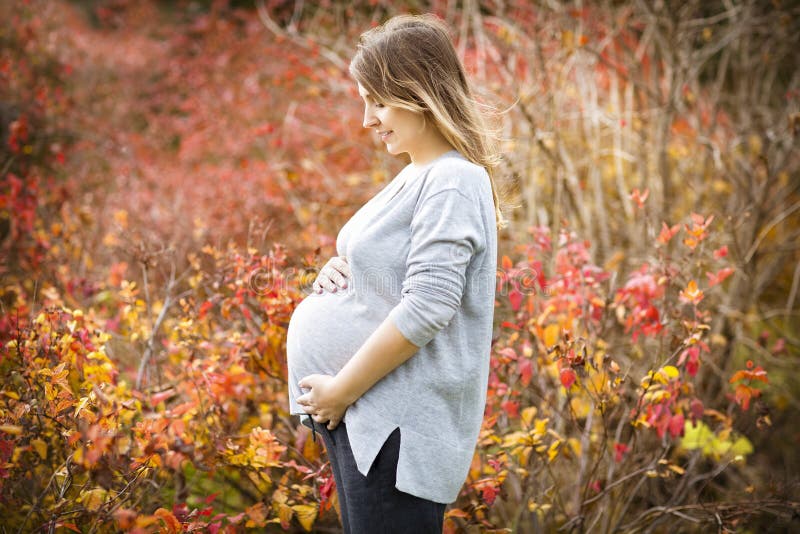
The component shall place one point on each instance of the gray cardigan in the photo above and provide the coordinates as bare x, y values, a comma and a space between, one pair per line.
423, 252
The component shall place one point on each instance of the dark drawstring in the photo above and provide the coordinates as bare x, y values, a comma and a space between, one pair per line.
313, 430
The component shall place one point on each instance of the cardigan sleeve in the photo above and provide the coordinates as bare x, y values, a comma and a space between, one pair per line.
446, 231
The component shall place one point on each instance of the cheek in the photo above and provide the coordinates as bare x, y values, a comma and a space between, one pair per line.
385, 117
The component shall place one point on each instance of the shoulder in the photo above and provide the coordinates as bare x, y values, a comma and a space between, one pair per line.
458, 173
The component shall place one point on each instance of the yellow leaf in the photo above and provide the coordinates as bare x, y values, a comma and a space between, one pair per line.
528, 414
671, 371
534, 507
40, 447
598, 382
81, 405
540, 426
516, 438
551, 333
92, 500
575, 445
285, 513
742, 447
77, 456
306, 514
580, 406
676, 468
552, 451
15, 430
658, 396
279, 496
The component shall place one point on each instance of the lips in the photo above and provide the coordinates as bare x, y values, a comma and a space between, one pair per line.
384, 135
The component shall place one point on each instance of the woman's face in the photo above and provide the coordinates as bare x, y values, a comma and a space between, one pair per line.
400, 129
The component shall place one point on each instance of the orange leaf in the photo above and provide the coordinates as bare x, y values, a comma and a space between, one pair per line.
639, 197
125, 518
719, 276
692, 294
157, 398
457, 512
170, 521
667, 232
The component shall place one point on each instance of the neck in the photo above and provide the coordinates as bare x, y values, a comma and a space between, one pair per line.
421, 158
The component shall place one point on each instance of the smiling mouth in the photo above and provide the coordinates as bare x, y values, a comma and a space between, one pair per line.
384, 135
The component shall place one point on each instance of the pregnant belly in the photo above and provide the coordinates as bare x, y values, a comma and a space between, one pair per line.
324, 332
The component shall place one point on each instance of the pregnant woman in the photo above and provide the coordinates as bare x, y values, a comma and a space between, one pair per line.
389, 357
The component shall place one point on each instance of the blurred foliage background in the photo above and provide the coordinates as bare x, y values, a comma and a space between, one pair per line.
174, 172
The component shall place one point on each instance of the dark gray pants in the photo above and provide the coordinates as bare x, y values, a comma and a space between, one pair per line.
371, 504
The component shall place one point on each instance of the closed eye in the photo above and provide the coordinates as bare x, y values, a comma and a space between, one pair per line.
368, 98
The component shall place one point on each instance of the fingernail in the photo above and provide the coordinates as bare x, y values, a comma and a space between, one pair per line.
334, 289
344, 285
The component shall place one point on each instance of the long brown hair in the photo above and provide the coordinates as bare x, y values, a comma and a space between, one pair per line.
410, 62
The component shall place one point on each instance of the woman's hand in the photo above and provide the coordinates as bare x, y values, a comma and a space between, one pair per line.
333, 275
325, 403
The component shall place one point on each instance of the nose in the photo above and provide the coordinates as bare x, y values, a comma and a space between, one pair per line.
370, 121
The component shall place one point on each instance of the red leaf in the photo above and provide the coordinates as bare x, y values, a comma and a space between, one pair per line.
204, 308
676, 424
567, 377
515, 297
696, 407
489, 494
511, 408
525, 368
619, 451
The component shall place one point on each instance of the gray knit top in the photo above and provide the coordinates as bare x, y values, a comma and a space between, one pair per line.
423, 251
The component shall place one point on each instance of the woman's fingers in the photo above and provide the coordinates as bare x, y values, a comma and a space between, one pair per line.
333, 275
338, 271
323, 282
341, 265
